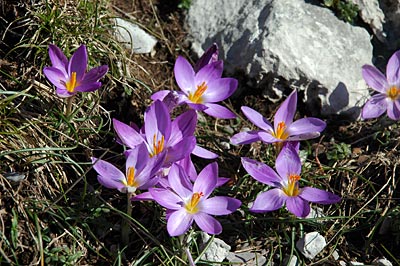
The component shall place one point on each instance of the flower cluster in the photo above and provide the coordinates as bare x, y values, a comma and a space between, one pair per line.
158, 158
285, 181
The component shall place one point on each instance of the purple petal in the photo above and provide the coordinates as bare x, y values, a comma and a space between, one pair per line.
142, 196
305, 136
305, 126
179, 222
110, 183
195, 106
55, 76
295, 145
318, 196
184, 75
220, 205
160, 95
183, 126
245, 137
78, 63
257, 119
203, 153
206, 180
270, 200
261, 172
286, 111
63, 93
180, 150
393, 111
219, 111
288, 162
219, 89
88, 87
166, 198
266, 137
393, 68
58, 59
209, 56
189, 168
108, 175
157, 121
108, 170
375, 106
95, 74
176, 177
374, 78
208, 223
209, 72
127, 134
298, 206
221, 181
135, 158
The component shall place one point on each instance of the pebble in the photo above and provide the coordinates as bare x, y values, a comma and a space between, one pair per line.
311, 244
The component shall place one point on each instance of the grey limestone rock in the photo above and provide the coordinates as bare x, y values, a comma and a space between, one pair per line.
280, 44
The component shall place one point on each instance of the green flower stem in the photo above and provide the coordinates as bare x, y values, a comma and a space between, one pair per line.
125, 230
70, 100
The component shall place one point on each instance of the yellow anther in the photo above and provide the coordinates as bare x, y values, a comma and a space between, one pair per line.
196, 96
393, 93
281, 131
130, 178
158, 145
191, 207
292, 188
71, 83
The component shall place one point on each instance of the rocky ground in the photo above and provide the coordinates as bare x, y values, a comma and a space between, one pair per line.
355, 159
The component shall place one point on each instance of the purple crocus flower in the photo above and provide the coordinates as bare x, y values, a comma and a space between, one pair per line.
186, 203
203, 89
173, 98
176, 138
140, 171
209, 56
284, 128
388, 88
70, 76
285, 181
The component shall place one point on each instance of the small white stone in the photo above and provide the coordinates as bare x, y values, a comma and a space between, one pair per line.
133, 37
382, 262
355, 263
225, 145
217, 251
342, 263
292, 262
311, 244
335, 255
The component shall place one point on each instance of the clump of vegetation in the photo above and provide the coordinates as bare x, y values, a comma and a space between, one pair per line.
345, 10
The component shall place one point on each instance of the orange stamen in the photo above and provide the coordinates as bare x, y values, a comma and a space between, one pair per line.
393, 93
281, 131
130, 178
71, 83
158, 145
196, 96
292, 189
191, 207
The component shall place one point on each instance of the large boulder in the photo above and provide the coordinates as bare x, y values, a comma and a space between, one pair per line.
292, 43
